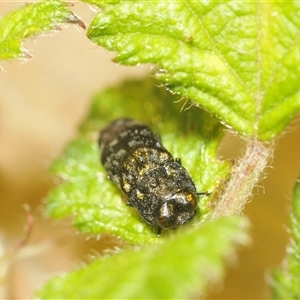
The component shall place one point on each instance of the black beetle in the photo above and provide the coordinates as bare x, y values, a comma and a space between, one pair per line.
156, 184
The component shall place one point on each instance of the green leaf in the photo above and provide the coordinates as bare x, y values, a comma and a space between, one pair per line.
285, 281
95, 203
239, 60
179, 268
29, 20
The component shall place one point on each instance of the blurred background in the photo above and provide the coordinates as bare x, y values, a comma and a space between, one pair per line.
42, 101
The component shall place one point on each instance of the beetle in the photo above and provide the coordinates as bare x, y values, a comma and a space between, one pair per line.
155, 183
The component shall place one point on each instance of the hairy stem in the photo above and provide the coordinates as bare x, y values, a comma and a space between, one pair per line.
245, 176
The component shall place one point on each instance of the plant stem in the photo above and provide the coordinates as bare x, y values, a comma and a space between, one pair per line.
245, 176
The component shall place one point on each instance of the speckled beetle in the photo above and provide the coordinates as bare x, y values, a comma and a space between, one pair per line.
157, 186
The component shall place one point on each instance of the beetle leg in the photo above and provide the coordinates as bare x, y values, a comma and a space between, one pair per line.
178, 160
128, 203
158, 232
204, 194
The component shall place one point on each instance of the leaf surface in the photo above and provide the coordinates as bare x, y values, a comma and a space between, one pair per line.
238, 60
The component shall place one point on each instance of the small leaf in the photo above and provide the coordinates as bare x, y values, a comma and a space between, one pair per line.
29, 20
239, 60
285, 282
95, 203
179, 268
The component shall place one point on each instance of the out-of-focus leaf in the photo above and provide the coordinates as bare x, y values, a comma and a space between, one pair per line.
179, 268
285, 281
